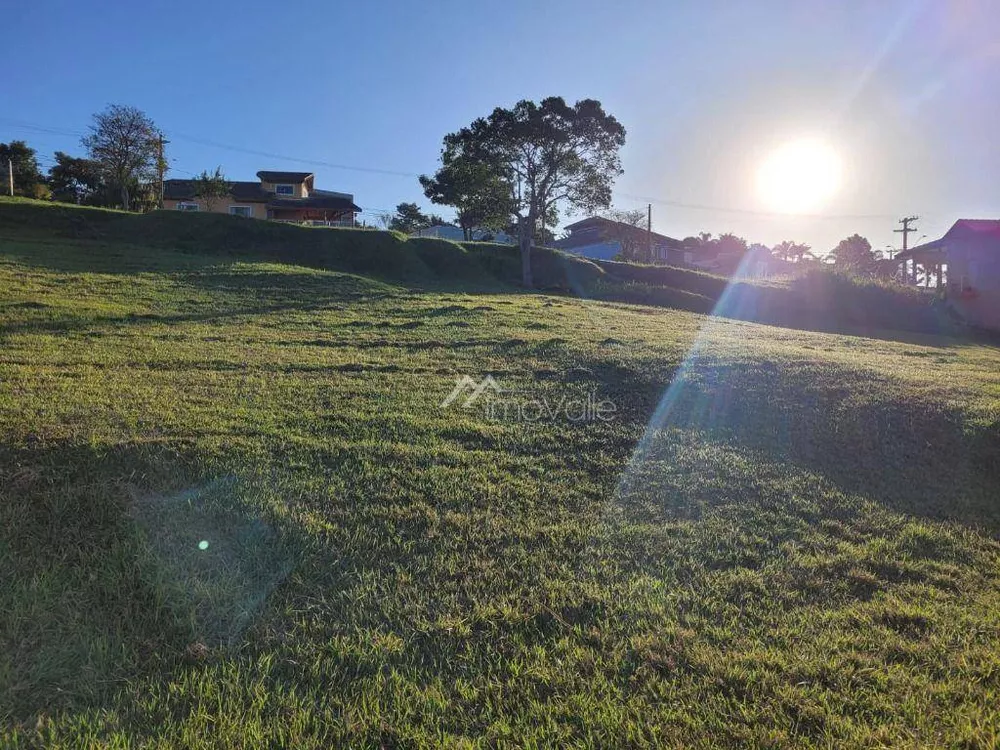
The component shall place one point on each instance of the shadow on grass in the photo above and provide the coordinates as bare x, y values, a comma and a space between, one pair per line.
237, 292
107, 581
869, 434
864, 432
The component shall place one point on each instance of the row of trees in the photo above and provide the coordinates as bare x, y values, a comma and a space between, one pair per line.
122, 167
629, 231
854, 253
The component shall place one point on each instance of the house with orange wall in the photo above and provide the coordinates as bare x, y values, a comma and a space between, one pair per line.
280, 196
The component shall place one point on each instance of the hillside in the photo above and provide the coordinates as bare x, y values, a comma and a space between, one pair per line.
233, 510
820, 301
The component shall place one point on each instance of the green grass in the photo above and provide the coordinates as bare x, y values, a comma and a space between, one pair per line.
797, 548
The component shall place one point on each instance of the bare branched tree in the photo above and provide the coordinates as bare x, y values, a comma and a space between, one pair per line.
125, 144
628, 229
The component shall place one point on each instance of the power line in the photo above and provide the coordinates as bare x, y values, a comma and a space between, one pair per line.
30, 126
33, 127
311, 162
747, 211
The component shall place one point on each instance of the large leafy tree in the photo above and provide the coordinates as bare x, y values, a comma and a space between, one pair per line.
855, 253
76, 180
481, 197
211, 187
28, 179
545, 154
126, 145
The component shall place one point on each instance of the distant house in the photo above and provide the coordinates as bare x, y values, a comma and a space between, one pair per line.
456, 234
964, 264
601, 239
281, 196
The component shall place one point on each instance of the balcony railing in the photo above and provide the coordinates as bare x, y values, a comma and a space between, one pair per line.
318, 223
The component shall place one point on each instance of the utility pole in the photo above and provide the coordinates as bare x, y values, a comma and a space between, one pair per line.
10, 176
649, 231
161, 164
905, 231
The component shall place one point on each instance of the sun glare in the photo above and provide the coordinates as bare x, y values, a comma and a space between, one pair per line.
799, 176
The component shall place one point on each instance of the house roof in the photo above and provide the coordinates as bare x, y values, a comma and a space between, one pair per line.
252, 192
585, 228
245, 192
321, 202
292, 177
963, 229
975, 228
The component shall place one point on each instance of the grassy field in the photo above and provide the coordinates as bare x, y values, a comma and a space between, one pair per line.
234, 512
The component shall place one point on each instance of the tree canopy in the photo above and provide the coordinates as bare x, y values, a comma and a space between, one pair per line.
790, 250
730, 243
855, 253
409, 219
28, 178
126, 145
76, 180
481, 198
211, 187
545, 155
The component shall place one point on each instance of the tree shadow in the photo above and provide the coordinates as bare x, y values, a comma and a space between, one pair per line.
236, 291
121, 563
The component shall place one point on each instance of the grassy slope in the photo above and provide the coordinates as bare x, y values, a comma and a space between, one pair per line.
803, 551
819, 301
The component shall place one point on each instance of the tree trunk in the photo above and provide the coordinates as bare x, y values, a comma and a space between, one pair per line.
125, 205
526, 224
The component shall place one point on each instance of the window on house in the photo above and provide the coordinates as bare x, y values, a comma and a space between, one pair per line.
284, 189
186, 206
244, 211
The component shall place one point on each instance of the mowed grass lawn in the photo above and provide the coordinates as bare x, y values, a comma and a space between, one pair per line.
234, 513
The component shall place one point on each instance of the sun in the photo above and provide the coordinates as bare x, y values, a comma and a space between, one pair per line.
799, 176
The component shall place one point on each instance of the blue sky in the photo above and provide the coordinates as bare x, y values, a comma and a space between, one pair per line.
905, 91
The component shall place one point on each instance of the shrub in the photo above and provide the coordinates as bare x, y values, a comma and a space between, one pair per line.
551, 269
638, 292
855, 300
698, 282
